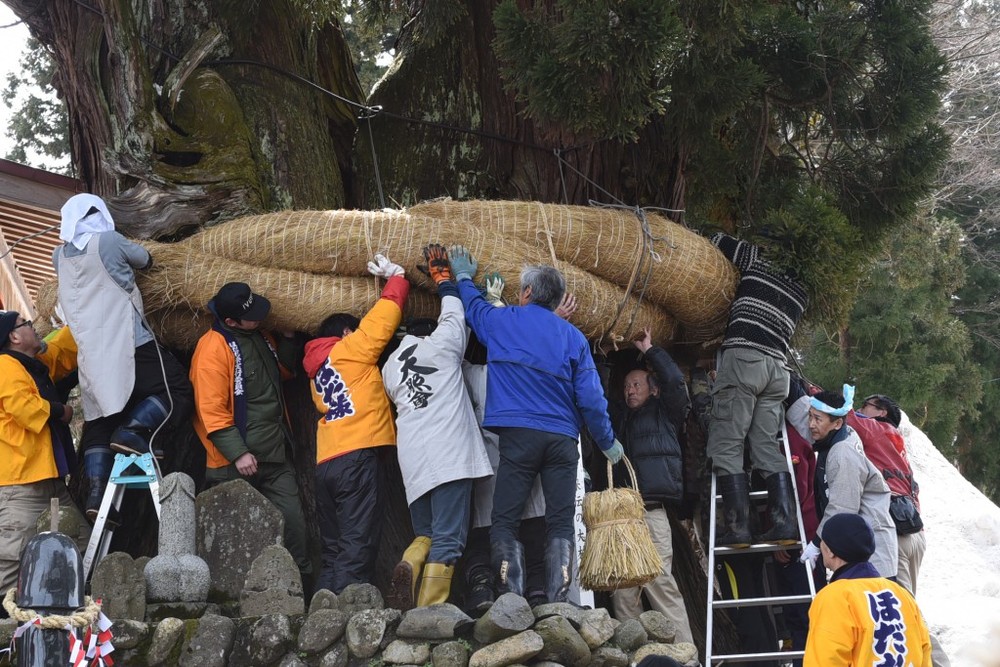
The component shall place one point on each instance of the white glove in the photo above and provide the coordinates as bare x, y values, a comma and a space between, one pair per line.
810, 553
494, 290
383, 268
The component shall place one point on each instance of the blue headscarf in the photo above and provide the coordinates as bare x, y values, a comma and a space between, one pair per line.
836, 412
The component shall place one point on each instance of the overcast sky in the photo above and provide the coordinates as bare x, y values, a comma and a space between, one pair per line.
12, 42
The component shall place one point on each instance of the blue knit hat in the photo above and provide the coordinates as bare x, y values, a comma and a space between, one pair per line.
849, 537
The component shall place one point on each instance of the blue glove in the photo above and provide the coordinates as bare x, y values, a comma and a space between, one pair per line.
615, 453
810, 553
463, 265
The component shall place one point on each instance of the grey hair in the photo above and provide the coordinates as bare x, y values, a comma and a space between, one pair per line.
547, 285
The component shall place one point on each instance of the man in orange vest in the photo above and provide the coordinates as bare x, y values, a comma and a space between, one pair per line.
237, 371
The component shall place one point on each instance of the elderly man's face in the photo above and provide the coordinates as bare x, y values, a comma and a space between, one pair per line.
821, 424
637, 389
24, 337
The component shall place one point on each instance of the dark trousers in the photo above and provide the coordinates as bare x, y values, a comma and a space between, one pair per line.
349, 505
791, 579
149, 381
741, 577
531, 535
524, 454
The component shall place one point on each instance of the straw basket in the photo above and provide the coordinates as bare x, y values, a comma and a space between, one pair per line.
619, 551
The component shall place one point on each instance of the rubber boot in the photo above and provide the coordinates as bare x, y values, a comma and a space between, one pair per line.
558, 569
781, 509
134, 435
406, 574
436, 584
97, 463
507, 559
479, 594
735, 528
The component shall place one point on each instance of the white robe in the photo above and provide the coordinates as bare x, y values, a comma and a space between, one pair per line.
438, 439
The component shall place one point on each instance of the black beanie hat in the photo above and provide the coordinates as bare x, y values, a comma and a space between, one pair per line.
849, 537
8, 320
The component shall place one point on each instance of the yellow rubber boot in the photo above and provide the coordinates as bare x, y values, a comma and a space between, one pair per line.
436, 584
406, 574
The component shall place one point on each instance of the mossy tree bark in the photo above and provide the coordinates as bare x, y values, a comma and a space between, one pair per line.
173, 123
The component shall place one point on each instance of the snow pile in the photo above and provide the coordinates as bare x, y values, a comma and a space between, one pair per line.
959, 583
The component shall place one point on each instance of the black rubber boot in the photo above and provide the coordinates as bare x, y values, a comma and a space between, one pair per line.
479, 594
134, 435
97, 487
734, 530
507, 559
558, 569
781, 509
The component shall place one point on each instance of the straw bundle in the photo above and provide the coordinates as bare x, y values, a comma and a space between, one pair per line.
342, 242
690, 278
619, 551
185, 278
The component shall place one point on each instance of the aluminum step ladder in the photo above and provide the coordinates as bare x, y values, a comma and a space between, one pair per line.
129, 471
767, 601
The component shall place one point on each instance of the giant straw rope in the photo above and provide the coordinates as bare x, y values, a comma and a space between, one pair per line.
627, 271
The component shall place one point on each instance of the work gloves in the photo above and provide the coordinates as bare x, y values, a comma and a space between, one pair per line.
810, 554
438, 267
383, 268
463, 265
493, 289
615, 452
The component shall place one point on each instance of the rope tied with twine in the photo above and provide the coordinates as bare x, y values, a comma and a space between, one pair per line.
646, 254
83, 617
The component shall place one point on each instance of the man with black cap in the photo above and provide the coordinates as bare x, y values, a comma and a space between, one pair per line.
36, 448
861, 618
237, 371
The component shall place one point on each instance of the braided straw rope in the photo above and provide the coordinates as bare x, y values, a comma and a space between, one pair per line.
81, 618
691, 279
342, 242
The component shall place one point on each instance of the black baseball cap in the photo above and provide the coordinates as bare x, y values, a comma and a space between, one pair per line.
8, 320
237, 301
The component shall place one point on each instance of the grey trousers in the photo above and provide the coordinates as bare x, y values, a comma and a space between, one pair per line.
911, 553
747, 397
662, 592
20, 507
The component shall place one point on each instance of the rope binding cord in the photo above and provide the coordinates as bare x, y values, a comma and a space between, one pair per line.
81, 618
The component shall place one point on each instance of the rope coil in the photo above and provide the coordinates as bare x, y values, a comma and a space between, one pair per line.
83, 617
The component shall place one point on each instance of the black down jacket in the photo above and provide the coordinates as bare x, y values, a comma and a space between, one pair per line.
649, 433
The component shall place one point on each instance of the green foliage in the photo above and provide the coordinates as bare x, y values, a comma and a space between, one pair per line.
38, 125
371, 28
815, 118
596, 67
901, 338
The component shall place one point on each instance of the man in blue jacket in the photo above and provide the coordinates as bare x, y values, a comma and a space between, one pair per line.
542, 379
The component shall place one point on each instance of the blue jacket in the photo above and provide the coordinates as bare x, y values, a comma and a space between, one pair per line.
542, 375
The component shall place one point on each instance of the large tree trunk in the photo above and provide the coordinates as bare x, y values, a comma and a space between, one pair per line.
473, 140
183, 114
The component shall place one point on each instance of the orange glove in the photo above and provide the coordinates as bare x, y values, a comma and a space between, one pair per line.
437, 263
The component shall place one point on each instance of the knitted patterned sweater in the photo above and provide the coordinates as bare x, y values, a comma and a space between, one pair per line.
768, 303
